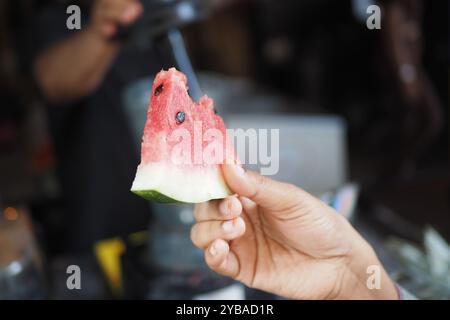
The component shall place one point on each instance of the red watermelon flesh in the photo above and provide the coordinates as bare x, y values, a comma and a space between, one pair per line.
183, 146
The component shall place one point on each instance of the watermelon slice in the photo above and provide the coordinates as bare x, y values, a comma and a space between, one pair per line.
183, 146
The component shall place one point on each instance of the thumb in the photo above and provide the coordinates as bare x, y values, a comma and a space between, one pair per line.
265, 192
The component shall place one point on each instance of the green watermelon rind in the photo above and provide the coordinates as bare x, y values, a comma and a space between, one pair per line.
154, 181
156, 196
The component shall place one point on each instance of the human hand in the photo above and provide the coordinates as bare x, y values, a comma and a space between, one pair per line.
108, 15
278, 238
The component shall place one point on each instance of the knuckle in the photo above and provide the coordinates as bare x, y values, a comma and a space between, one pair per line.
201, 211
293, 190
260, 182
259, 179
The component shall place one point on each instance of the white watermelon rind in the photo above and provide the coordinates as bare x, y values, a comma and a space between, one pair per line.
170, 183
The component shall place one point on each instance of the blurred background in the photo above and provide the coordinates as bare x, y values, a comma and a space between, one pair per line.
363, 117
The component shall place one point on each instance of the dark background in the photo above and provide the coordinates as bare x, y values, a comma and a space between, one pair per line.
314, 52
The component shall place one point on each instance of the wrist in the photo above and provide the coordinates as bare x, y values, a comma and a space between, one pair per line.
96, 32
365, 276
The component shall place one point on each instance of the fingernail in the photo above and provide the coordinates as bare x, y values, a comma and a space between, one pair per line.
228, 226
219, 246
213, 250
225, 208
239, 224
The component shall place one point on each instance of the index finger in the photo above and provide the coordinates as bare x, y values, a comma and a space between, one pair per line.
223, 209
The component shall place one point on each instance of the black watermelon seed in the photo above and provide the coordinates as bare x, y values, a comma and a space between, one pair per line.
158, 90
179, 118
215, 111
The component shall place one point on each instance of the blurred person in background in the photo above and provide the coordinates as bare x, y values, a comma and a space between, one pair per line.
81, 75
419, 114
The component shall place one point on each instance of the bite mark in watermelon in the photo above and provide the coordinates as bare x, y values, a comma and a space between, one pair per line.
181, 156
